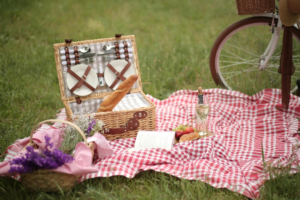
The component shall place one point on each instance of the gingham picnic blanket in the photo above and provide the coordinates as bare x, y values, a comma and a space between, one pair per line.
232, 158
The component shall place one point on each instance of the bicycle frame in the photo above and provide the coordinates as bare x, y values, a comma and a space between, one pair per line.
274, 40
264, 59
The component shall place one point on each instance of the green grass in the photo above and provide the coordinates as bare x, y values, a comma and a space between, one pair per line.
146, 185
174, 39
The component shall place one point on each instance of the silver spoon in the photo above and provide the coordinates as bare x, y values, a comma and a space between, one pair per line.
84, 49
81, 50
108, 47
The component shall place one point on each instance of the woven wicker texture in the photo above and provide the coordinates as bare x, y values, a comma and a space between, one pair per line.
249, 7
114, 119
49, 181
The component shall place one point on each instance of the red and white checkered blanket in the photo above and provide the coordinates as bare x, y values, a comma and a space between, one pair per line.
232, 158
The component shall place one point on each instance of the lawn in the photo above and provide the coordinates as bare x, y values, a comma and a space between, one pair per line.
174, 39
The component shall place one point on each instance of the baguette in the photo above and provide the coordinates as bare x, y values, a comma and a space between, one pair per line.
189, 137
112, 100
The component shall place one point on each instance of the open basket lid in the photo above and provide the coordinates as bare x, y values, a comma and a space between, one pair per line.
105, 73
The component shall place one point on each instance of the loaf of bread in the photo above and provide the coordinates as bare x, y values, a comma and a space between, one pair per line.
189, 137
112, 100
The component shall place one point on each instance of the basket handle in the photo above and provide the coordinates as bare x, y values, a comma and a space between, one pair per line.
62, 121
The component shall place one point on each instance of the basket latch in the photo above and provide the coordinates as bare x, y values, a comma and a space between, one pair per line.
118, 35
68, 41
140, 115
78, 100
132, 124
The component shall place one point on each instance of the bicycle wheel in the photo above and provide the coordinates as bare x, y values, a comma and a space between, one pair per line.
236, 54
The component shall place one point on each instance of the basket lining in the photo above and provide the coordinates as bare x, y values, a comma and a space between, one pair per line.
99, 62
130, 101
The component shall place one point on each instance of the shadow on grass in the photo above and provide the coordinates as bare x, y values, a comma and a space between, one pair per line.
155, 185
146, 185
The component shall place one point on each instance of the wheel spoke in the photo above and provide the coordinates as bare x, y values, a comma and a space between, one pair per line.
244, 50
226, 56
235, 73
295, 78
253, 64
233, 54
239, 51
272, 66
241, 71
271, 72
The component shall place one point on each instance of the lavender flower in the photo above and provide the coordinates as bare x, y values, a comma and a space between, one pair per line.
32, 160
94, 126
90, 128
86, 123
47, 139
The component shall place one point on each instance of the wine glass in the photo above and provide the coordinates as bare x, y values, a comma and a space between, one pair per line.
202, 111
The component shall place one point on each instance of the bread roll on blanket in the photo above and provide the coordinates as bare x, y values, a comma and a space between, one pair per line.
112, 100
189, 137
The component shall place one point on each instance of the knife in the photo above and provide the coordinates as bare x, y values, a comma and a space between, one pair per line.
108, 58
113, 51
86, 55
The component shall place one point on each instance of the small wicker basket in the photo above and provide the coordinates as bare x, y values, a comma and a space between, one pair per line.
50, 181
250, 7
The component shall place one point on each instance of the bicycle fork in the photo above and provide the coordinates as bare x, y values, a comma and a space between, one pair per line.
276, 30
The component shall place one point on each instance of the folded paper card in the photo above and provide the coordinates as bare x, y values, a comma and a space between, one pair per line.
154, 139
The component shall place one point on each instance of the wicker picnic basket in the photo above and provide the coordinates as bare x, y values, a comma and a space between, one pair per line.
123, 123
250, 7
50, 181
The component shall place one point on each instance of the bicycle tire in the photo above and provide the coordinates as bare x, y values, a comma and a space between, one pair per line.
248, 78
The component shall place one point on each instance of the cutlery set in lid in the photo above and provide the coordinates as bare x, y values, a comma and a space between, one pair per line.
96, 56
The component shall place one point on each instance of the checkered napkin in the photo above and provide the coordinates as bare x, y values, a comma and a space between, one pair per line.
232, 158
128, 102
131, 101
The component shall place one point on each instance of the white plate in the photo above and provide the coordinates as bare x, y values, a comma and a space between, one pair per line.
91, 79
119, 65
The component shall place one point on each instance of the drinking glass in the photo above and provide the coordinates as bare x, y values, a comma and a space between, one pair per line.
202, 111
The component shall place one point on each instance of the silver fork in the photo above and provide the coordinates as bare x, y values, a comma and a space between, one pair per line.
108, 47
84, 60
87, 60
